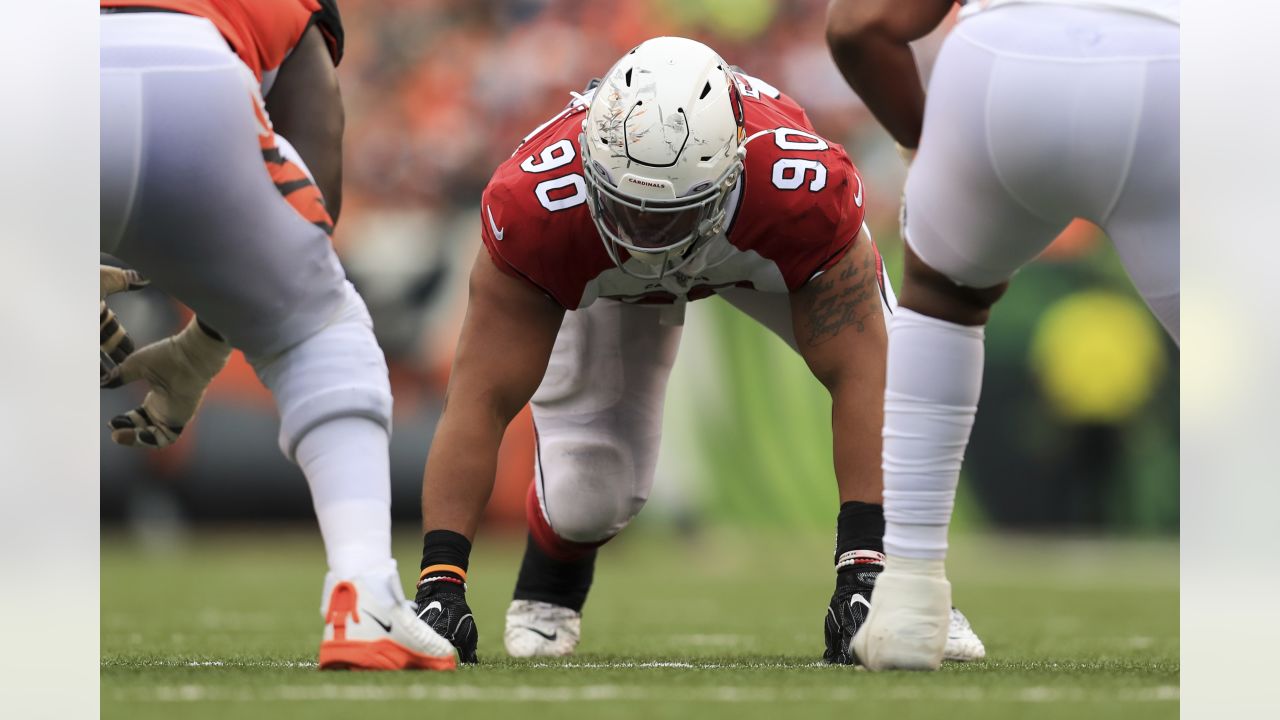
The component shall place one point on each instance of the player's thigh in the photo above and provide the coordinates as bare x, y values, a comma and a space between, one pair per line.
961, 217
209, 225
1145, 224
598, 416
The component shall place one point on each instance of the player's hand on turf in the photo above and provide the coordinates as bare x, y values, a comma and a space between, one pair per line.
178, 369
443, 606
114, 342
850, 604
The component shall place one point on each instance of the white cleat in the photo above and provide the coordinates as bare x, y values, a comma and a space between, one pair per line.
540, 629
362, 632
909, 620
963, 644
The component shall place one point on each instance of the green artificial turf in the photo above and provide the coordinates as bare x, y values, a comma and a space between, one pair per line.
726, 623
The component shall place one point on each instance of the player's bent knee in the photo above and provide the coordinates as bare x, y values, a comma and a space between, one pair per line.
930, 292
578, 526
590, 491
338, 372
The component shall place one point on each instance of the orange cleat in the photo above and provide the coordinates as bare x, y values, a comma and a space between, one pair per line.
360, 634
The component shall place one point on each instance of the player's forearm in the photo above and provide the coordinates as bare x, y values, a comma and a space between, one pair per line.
883, 72
460, 469
869, 40
856, 418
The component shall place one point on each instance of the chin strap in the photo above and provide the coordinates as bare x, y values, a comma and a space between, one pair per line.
742, 148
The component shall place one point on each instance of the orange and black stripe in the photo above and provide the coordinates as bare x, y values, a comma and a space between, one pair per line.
297, 189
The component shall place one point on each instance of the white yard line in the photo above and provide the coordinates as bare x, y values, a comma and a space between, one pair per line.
632, 693
678, 665
537, 665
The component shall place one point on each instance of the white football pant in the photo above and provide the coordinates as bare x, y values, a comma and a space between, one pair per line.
598, 411
1039, 114
1036, 114
188, 200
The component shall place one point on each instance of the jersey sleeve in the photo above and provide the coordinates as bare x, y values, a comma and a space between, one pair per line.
551, 250
493, 231
329, 20
805, 219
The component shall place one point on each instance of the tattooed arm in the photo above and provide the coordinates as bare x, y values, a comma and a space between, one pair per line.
840, 331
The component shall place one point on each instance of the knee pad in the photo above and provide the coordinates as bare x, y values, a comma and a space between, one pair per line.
545, 536
337, 372
589, 488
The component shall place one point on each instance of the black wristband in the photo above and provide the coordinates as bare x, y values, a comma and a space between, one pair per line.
445, 547
859, 526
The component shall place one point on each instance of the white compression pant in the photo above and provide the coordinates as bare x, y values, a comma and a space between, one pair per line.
188, 200
598, 411
186, 195
1036, 114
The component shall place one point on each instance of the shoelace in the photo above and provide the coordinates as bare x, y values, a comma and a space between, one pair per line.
550, 613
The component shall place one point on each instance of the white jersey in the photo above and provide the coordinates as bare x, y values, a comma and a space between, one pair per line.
1170, 10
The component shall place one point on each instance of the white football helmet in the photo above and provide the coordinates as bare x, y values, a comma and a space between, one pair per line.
661, 150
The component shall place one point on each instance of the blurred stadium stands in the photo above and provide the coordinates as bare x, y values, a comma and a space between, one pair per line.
1079, 423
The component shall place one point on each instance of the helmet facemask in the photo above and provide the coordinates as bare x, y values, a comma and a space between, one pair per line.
666, 235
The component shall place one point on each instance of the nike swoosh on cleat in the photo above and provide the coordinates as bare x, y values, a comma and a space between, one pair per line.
385, 625
550, 637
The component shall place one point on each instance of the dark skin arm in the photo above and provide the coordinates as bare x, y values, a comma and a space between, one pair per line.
305, 106
840, 332
869, 42
506, 341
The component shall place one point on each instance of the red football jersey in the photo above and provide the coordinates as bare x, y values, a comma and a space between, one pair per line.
795, 212
262, 32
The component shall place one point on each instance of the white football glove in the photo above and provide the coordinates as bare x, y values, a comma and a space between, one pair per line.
178, 369
113, 341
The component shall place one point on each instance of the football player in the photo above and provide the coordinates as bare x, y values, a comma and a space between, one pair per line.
204, 196
676, 178
1038, 112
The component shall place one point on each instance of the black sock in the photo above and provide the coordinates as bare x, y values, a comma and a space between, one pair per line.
859, 526
447, 554
554, 581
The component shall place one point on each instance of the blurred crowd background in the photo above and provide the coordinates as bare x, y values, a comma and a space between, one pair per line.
1078, 429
